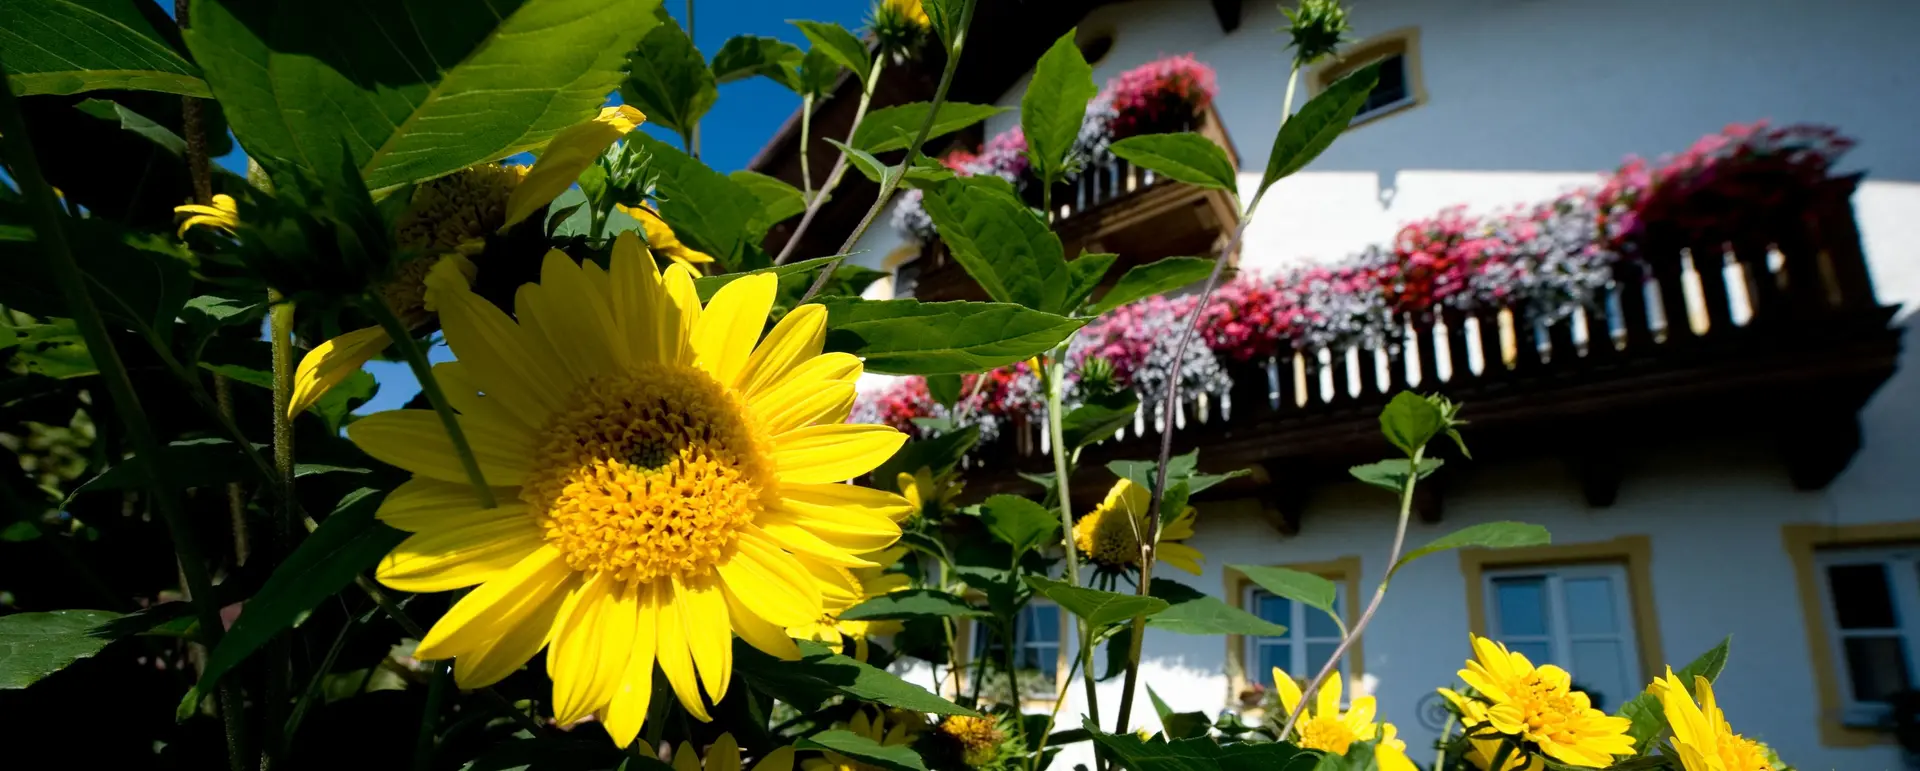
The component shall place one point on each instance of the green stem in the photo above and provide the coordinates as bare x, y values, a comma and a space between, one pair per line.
430, 718
423, 371
1040, 750
316, 683
806, 129
839, 166
50, 230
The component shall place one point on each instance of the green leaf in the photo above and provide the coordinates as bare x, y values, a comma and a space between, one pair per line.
34, 645
670, 81
1649, 718
1098, 418
938, 455
1141, 472
1191, 611
892, 128
184, 463
839, 44
70, 46
945, 389
1160, 277
135, 277
1309, 132
819, 674
1199, 754
744, 56
705, 286
1018, 522
20, 531
1409, 421
1391, 474
1179, 725
1302, 587
1004, 245
339, 401
411, 90
1185, 156
135, 122
870, 167
55, 349
911, 603
1085, 274
909, 337
894, 757
706, 208
778, 201
1097, 608
818, 72
1054, 105
1486, 535
348, 542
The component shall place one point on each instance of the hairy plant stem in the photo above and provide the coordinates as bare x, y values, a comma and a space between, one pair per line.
423, 371
48, 227
888, 185
1379, 593
280, 651
839, 166
806, 131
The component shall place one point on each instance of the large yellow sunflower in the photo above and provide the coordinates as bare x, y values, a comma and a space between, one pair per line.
663, 483
888, 728
1324, 727
1537, 705
1701, 735
724, 755
870, 581
1110, 534
447, 218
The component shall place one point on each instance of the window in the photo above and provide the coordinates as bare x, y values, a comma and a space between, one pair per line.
1400, 85
1573, 616
1311, 635
1859, 591
1038, 632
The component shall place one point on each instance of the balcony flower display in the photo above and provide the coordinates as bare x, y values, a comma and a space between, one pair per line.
1705, 192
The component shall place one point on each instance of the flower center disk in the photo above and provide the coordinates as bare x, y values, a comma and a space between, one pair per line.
649, 475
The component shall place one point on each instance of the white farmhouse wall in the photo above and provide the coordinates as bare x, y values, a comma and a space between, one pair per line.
1526, 98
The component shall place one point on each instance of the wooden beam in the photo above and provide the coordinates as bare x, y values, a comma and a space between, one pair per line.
1818, 446
1283, 497
1429, 500
1228, 11
1599, 462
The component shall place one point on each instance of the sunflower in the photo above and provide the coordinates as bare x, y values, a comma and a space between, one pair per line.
449, 218
979, 738
662, 482
1324, 727
872, 581
724, 755
888, 728
1535, 708
1701, 736
661, 238
899, 26
929, 494
1110, 534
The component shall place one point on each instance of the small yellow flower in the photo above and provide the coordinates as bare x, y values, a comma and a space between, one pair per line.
1324, 727
724, 755
1701, 735
866, 582
1539, 706
910, 10
979, 737
888, 728
1110, 534
929, 494
223, 214
661, 238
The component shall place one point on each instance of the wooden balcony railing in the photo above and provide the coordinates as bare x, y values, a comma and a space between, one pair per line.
1776, 331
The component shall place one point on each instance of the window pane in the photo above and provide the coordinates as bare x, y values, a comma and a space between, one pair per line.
1392, 87
1877, 667
1045, 659
1319, 624
1271, 656
1043, 623
1861, 597
1600, 669
1522, 605
1279, 610
1536, 652
1590, 607
1317, 655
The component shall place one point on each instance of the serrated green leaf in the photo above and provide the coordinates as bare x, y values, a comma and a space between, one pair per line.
1309, 132
820, 674
1005, 246
408, 94
1410, 421
1486, 535
938, 455
707, 210
891, 128
669, 79
70, 46
1018, 522
1199, 754
1097, 608
818, 72
1085, 273
870, 167
744, 56
1191, 611
778, 201
1391, 475
1054, 105
1649, 719
34, 645
348, 542
945, 389
1302, 587
893, 757
909, 337
1159, 277
911, 603
183, 464
1185, 157
1098, 418
836, 42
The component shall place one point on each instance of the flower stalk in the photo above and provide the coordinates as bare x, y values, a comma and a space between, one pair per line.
819, 200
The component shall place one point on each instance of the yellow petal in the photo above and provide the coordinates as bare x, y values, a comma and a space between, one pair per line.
1181, 556
628, 710
771, 583
799, 337
1329, 696
724, 337
494, 660
424, 503
591, 648
778, 760
569, 313
331, 363
417, 441
770, 639
441, 560
723, 754
662, 239
675, 655
526, 378
684, 758
709, 635
831, 403
800, 540
497, 606
686, 313
1289, 690
833, 453
804, 381
568, 154
640, 304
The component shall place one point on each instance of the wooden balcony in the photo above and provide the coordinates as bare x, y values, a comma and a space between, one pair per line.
1775, 331
1113, 207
